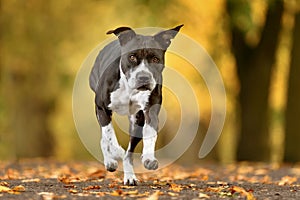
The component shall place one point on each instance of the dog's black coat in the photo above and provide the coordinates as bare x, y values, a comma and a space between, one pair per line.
123, 57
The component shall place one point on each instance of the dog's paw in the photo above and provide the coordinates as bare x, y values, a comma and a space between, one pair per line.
130, 179
151, 164
111, 165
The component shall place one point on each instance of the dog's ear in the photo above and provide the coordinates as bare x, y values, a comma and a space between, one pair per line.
125, 34
164, 37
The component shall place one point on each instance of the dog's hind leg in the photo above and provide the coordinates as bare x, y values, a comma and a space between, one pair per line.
111, 149
136, 133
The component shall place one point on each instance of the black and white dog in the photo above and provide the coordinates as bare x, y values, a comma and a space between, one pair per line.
127, 79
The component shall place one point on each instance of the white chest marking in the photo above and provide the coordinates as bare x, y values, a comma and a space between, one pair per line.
127, 101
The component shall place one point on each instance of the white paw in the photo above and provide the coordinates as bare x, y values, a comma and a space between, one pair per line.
150, 162
110, 164
130, 179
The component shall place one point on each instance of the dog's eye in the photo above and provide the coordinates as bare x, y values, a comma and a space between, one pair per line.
133, 58
155, 59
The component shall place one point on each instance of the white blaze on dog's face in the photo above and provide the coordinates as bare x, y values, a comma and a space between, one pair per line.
142, 62
140, 77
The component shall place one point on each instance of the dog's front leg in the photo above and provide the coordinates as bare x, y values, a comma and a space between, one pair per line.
136, 134
111, 149
149, 140
129, 175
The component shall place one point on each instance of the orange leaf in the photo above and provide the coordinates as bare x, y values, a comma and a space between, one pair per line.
116, 193
287, 180
175, 187
243, 192
19, 188
92, 187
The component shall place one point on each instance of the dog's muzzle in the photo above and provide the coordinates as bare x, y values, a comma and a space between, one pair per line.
144, 81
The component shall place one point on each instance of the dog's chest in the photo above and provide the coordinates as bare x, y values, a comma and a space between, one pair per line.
126, 101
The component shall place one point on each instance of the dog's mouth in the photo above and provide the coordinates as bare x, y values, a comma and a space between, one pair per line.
143, 87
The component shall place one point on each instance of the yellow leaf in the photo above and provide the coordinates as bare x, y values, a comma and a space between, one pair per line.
154, 196
31, 180
3, 183
173, 194
4, 189
133, 192
287, 180
73, 191
202, 195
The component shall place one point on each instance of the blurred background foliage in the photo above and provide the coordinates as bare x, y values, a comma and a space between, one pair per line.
253, 42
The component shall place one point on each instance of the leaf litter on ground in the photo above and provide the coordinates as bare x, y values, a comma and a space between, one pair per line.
206, 181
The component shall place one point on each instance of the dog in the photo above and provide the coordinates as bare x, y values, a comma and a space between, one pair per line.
127, 79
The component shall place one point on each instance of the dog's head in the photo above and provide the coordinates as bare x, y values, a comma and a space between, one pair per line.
143, 57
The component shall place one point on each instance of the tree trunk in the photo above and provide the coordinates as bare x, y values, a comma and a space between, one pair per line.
254, 66
292, 130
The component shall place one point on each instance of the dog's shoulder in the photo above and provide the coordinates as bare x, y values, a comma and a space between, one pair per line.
108, 57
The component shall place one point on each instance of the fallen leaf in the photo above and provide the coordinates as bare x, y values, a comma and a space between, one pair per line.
4, 183
19, 188
202, 195
173, 194
4, 188
133, 192
36, 180
115, 193
175, 187
161, 183
92, 187
51, 196
214, 189
73, 191
69, 186
113, 185
98, 194
154, 196
222, 183
80, 194
243, 192
287, 180
127, 187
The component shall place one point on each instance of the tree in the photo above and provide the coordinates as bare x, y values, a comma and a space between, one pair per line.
28, 71
254, 66
292, 138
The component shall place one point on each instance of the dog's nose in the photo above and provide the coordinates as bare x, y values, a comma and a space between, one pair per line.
143, 77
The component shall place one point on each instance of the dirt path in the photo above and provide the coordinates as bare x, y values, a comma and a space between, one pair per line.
45, 179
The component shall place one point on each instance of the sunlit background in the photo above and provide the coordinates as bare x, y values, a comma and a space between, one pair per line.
253, 43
